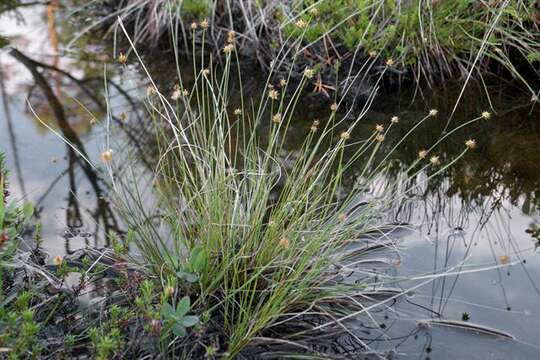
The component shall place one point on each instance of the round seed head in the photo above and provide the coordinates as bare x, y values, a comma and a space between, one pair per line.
301, 24
122, 58
284, 242
308, 73
106, 156
273, 94
57, 260
471, 143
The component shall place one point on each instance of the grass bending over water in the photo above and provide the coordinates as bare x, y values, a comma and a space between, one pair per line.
256, 237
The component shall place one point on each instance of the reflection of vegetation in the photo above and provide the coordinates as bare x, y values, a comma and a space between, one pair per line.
506, 162
8, 5
76, 150
534, 231
509, 171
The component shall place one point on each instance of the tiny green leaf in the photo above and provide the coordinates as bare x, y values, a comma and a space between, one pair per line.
28, 211
197, 258
183, 307
189, 320
167, 311
179, 330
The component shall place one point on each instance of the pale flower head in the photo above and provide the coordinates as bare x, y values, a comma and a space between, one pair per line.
471, 143
169, 291
206, 72
176, 94
315, 125
301, 24
276, 118
282, 82
372, 54
185, 92
314, 11
150, 91
228, 49
435, 160
486, 115
390, 62
273, 94
308, 73
204, 24
379, 137
394, 119
122, 58
334, 107
238, 112
345, 135
107, 155
194, 26
58, 260
284, 242
231, 35
422, 154
379, 128
433, 112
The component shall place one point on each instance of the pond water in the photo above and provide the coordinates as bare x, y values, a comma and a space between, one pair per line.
470, 236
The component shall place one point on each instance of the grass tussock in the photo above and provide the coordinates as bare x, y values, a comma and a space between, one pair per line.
255, 237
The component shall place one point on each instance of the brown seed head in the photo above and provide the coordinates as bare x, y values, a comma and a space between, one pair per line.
345, 135
106, 156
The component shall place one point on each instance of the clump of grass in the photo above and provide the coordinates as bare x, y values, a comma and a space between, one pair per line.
255, 237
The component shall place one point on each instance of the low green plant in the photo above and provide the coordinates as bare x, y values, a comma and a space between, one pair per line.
13, 217
41, 317
177, 318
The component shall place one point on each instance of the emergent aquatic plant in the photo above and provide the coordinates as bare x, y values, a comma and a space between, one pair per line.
265, 236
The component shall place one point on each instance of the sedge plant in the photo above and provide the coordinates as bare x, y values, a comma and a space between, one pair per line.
254, 237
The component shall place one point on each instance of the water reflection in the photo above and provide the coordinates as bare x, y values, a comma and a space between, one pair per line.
480, 214
42, 100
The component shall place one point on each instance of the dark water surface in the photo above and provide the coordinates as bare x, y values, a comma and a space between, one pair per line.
470, 236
